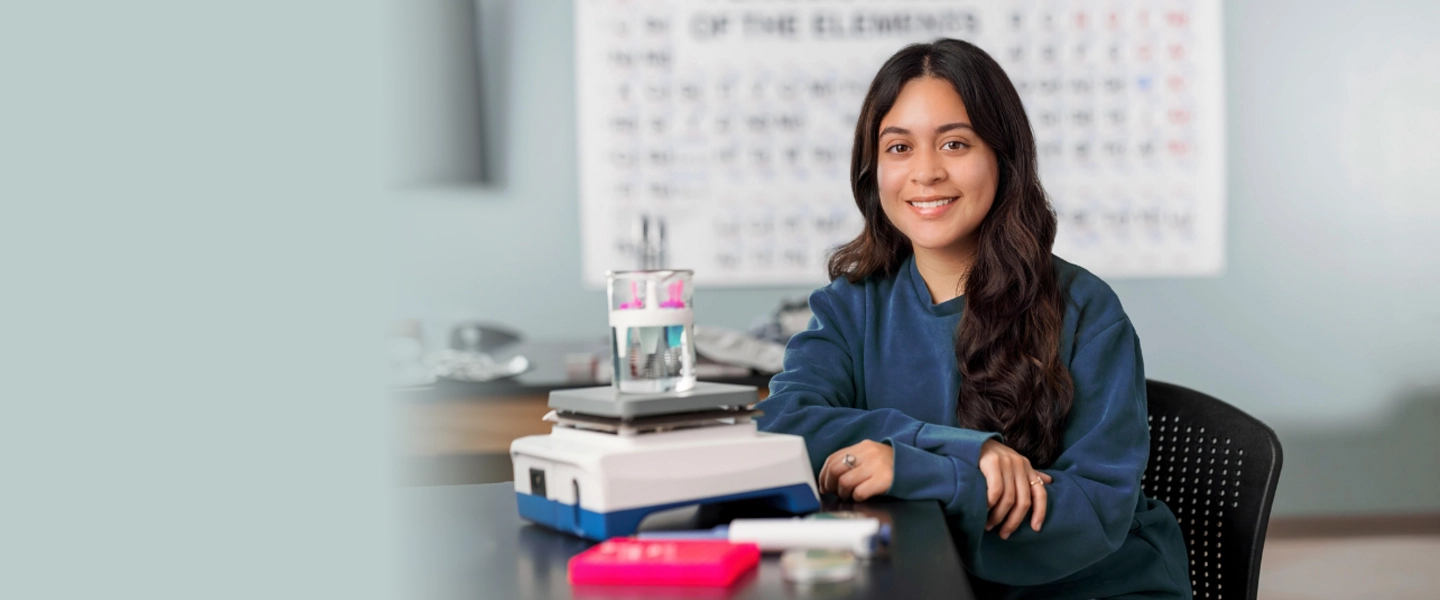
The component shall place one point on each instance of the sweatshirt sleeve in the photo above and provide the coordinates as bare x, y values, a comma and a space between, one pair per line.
818, 394
1096, 478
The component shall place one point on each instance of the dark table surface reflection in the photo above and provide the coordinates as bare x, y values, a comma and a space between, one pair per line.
468, 541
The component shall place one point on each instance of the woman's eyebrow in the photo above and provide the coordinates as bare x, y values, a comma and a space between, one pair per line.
938, 130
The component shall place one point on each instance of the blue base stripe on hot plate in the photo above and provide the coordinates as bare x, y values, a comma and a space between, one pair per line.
796, 499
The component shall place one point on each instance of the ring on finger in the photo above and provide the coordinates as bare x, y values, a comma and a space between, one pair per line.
849, 461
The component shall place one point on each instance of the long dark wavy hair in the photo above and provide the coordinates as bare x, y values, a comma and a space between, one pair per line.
1008, 340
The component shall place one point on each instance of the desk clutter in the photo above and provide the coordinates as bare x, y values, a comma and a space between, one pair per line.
861, 537
814, 550
469, 541
655, 439
480, 354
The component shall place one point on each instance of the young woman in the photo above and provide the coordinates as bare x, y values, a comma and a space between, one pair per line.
954, 358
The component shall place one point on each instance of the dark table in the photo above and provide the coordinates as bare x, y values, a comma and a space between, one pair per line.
468, 541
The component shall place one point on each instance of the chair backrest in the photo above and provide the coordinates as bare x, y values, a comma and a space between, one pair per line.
1216, 468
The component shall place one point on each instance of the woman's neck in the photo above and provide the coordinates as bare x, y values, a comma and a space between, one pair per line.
943, 272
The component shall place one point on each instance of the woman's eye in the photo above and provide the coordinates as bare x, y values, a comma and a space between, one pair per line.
897, 148
954, 145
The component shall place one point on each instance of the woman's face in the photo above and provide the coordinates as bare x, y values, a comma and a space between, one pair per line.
937, 178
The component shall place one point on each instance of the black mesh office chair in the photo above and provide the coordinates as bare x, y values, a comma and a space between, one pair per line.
1216, 468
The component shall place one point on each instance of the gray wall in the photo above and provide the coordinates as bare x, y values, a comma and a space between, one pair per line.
1325, 324
190, 208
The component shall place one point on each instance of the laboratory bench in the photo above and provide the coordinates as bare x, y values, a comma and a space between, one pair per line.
468, 541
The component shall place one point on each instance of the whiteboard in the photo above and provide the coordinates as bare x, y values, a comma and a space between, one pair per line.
728, 124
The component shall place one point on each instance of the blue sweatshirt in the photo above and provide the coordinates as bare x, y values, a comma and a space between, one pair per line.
878, 363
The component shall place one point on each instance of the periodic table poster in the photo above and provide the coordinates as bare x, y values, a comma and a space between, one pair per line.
715, 135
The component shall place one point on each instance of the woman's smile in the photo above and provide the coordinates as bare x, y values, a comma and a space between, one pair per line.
931, 207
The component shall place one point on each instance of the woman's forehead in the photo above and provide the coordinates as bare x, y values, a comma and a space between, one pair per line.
927, 102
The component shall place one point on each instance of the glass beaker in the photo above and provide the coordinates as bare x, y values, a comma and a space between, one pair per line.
652, 330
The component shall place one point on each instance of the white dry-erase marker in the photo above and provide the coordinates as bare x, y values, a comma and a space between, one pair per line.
861, 536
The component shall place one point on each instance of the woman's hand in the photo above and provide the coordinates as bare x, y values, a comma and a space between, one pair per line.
1010, 493
867, 474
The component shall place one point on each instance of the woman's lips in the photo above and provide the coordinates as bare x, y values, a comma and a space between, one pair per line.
931, 207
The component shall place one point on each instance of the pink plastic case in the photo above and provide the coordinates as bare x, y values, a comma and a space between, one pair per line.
663, 562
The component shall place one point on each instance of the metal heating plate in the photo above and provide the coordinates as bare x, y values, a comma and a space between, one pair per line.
656, 424
605, 401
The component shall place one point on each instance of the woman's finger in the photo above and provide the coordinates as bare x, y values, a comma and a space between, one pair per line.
1002, 507
872, 486
834, 467
994, 484
827, 474
831, 464
1042, 500
847, 482
1022, 503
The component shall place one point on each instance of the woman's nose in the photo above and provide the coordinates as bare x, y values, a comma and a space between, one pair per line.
928, 169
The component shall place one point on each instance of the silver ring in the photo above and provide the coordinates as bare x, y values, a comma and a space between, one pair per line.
849, 461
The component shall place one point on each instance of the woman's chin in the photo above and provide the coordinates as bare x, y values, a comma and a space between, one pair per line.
935, 244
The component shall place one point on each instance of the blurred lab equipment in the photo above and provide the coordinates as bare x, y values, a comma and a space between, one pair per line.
808, 565
470, 357
732, 347
474, 336
462, 365
791, 317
